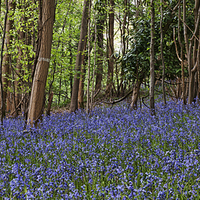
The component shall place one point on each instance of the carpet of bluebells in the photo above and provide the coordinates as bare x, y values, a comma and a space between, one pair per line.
112, 153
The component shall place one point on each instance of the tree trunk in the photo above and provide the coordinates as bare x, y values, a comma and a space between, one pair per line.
2, 47
88, 77
74, 99
193, 62
136, 87
41, 71
110, 48
81, 85
185, 28
191, 87
6, 58
100, 29
94, 67
18, 76
162, 56
135, 94
152, 106
198, 75
123, 45
70, 61
179, 90
49, 104
60, 85
82, 77
181, 47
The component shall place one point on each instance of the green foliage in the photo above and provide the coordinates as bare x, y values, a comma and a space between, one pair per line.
136, 61
22, 48
66, 34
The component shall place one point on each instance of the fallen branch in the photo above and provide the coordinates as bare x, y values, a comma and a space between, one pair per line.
119, 100
143, 100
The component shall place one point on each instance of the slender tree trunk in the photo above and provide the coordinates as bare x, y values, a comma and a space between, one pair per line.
2, 47
127, 27
191, 87
135, 94
60, 85
185, 28
18, 75
136, 87
182, 62
6, 58
94, 67
193, 69
74, 99
41, 71
152, 106
110, 48
70, 61
82, 79
88, 77
124, 29
49, 104
198, 91
198, 69
100, 29
123, 45
9, 94
162, 56
81, 85
53, 76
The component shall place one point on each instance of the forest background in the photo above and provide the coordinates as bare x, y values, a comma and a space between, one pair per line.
81, 53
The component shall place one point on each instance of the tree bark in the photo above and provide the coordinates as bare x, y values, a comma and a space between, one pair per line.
100, 29
81, 85
94, 67
182, 62
82, 79
110, 48
49, 104
6, 58
162, 56
41, 71
185, 28
2, 48
18, 75
122, 88
89, 59
135, 94
70, 60
193, 62
152, 106
198, 71
74, 99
